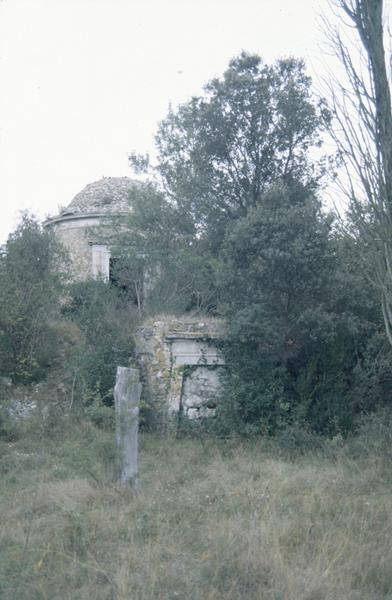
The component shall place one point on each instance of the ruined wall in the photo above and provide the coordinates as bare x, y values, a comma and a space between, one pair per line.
181, 364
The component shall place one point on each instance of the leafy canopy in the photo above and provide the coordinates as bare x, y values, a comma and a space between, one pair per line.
219, 153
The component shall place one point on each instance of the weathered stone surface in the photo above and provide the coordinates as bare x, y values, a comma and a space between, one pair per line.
181, 364
126, 396
201, 388
79, 226
200, 413
108, 195
77, 238
193, 349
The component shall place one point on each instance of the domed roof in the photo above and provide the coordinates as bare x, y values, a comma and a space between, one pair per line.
108, 195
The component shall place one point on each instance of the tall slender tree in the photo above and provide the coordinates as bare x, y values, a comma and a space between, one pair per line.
362, 130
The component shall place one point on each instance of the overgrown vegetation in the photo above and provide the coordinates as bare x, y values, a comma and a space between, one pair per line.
105, 321
286, 494
77, 333
362, 132
31, 281
231, 223
293, 519
240, 232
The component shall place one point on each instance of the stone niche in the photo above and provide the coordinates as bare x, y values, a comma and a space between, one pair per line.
181, 364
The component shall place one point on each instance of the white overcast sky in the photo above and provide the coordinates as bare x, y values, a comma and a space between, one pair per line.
85, 82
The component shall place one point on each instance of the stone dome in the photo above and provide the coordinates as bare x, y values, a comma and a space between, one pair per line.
108, 195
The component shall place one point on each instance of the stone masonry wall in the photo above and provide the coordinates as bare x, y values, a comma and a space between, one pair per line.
75, 236
181, 363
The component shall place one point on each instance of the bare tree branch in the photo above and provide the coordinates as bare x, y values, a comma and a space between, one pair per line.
362, 131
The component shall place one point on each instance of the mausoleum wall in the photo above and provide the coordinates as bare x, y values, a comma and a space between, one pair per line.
181, 365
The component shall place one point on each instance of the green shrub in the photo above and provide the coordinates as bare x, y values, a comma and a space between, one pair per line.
298, 439
101, 415
106, 323
373, 434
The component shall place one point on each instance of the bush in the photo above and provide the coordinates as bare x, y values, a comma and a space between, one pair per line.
298, 439
305, 340
373, 435
106, 323
101, 415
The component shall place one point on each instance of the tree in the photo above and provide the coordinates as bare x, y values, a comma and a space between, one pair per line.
219, 153
279, 265
240, 192
363, 133
303, 328
30, 287
161, 261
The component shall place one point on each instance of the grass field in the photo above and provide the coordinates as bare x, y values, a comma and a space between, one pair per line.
213, 519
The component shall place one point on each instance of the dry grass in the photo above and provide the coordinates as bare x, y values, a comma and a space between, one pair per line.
212, 520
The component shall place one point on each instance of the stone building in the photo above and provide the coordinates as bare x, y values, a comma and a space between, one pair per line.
181, 364
76, 226
180, 360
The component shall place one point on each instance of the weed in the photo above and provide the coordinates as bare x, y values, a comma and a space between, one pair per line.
226, 519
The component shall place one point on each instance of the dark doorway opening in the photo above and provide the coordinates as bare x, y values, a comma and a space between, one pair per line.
128, 281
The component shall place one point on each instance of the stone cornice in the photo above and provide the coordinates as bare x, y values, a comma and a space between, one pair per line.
81, 216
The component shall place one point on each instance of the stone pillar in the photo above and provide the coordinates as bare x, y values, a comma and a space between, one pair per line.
126, 396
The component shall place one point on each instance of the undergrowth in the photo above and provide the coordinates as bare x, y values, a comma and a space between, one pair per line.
213, 519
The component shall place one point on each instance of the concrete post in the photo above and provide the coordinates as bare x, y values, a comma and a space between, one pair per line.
126, 396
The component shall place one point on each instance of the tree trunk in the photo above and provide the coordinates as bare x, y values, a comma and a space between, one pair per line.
363, 134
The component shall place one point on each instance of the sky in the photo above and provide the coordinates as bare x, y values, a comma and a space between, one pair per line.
86, 82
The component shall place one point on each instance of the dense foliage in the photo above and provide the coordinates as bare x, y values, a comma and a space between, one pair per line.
81, 330
219, 153
304, 344
162, 264
238, 173
105, 323
234, 226
30, 287
278, 268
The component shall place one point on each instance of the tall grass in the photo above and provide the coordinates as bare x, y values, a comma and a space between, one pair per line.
213, 519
